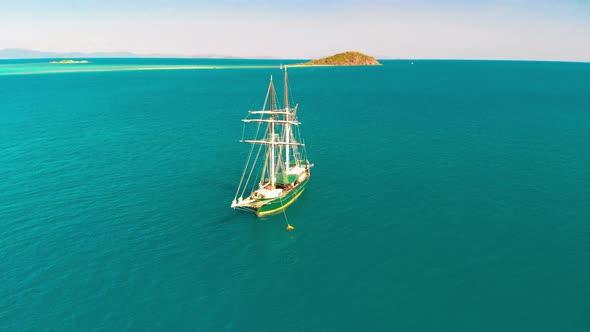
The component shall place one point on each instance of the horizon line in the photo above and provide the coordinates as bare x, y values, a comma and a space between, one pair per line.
289, 59
134, 55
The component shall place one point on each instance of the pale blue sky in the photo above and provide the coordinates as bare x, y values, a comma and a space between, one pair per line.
457, 29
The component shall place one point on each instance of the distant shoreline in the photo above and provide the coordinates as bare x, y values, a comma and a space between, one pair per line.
304, 65
35, 67
93, 68
90, 68
296, 62
67, 61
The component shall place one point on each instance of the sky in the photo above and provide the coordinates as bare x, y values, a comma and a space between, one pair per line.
419, 29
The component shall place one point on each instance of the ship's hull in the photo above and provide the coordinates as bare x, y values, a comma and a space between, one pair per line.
276, 205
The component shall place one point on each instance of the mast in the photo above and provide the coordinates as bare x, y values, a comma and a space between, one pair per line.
287, 125
272, 136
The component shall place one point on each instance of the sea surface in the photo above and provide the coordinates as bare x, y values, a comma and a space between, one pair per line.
446, 196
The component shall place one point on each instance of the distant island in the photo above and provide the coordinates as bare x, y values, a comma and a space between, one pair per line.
344, 59
22, 53
70, 61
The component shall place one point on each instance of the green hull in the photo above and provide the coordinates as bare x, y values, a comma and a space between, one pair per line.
275, 205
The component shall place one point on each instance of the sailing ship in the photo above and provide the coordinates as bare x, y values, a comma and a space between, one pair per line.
277, 159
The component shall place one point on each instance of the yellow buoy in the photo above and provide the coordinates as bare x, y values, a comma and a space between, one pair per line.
290, 228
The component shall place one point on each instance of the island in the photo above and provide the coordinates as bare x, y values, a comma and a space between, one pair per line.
69, 61
343, 59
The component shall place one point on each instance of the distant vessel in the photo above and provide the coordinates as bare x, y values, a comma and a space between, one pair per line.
285, 171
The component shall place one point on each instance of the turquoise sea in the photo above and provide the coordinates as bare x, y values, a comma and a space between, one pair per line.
446, 196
